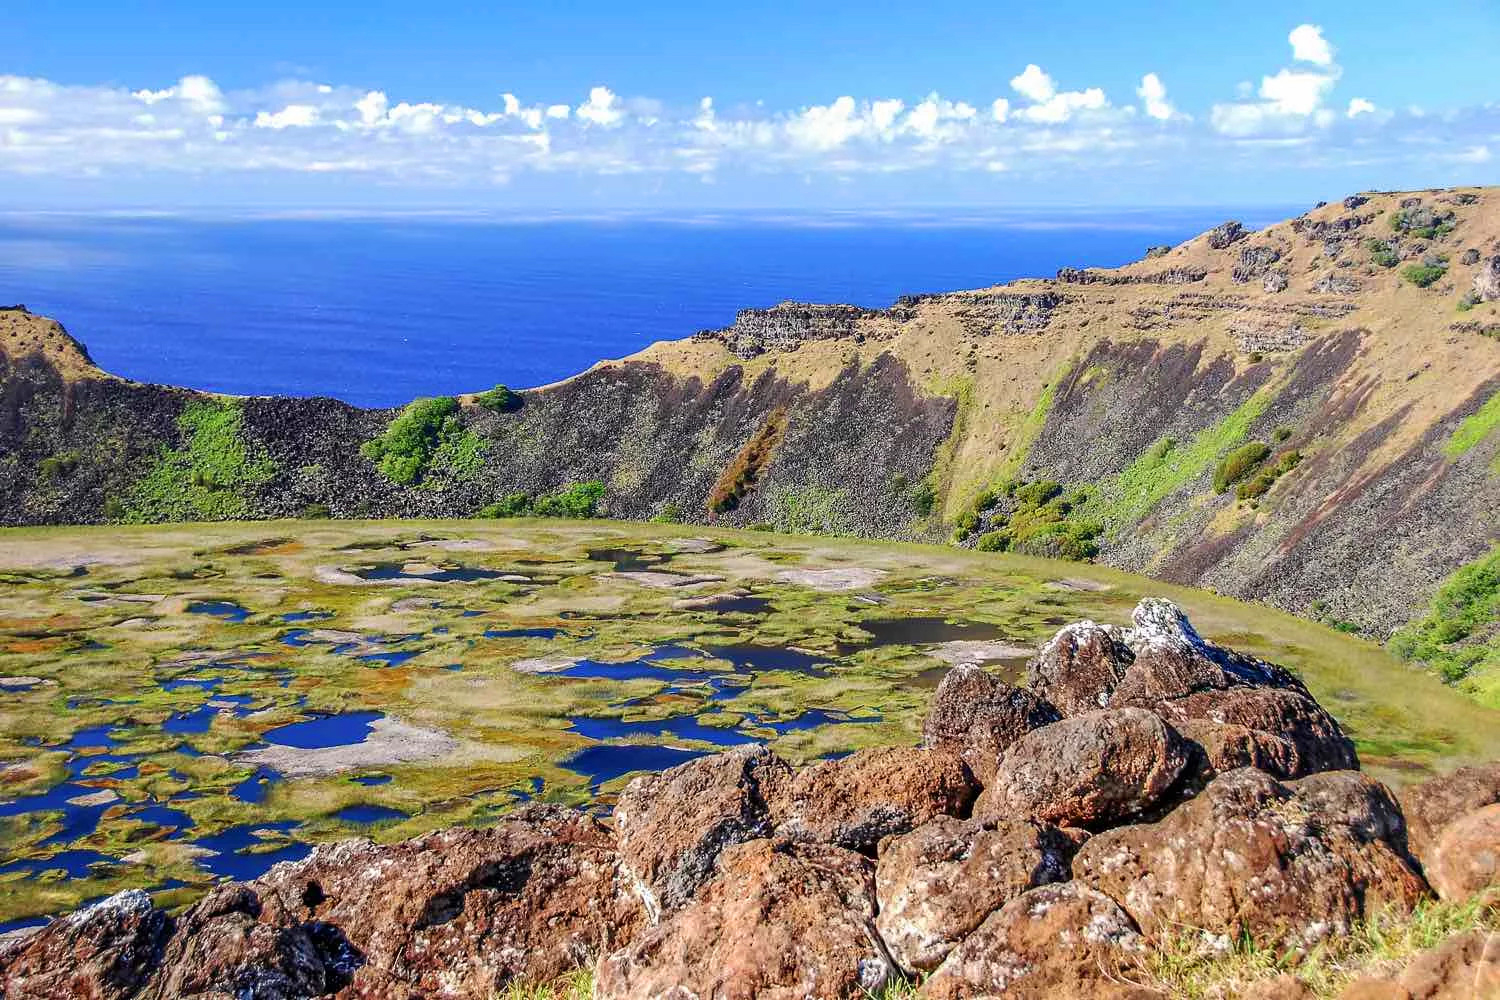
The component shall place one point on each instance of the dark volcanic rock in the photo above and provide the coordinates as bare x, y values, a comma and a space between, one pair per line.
1287, 863
980, 716
671, 826
939, 882
855, 801
1079, 667
102, 952
1087, 770
1055, 941
1226, 234
776, 922
789, 324
1253, 263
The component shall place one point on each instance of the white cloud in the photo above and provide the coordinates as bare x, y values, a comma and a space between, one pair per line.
1292, 92
1153, 94
291, 116
602, 108
1000, 109
1359, 106
197, 92
1034, 84
1309, 45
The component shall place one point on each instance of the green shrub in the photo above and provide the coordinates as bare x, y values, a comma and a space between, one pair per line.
403, 452
1038, 493
511, 505
1239, 463
499, 400
1266, 478
1469, 301
1423, 275
923, 499
51, 469
1282, 434
669, 514
993, 541
316, 512
966, 524
575, 500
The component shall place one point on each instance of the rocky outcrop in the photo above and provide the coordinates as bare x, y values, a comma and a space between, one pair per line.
786, 326
942, 880
1226, 234
1254, 262
856, 801
1487, 281
1088, 770
1184, 275
672, 826
981, 716
1285, 863
777, 922
1056, 941
739, 876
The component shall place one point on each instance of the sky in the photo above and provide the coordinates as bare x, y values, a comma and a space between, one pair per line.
589, 106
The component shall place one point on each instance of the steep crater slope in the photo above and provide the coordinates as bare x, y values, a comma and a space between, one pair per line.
1304, 415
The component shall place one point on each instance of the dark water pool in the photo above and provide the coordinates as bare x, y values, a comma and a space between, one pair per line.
927, 631
607, 762
239, 854
227, 610
457, 574
368, 814
325, 731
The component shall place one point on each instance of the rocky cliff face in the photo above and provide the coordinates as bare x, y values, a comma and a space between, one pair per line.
1353, 346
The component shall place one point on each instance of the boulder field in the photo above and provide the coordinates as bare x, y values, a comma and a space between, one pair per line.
1145, 787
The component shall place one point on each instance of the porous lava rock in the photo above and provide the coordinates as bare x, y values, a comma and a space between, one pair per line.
1465, 860
778, 921
102, 952
1238, 710
1288, 863
1080, 667
979, 715
853, 802
1064, 940
671, 826
1465, 967
939, 882
1431, 805
1089, 770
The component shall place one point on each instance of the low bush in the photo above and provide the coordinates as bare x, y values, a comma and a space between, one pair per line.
1266, 478
58, 466
576, 500
1423, 275
1239, 463
403, 452
499, 400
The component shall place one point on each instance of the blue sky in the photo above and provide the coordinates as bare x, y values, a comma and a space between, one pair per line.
595, 106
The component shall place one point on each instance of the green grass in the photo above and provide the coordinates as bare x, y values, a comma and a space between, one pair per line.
1474, 429
208, 477
1459, 637
1183, 967
1167, 466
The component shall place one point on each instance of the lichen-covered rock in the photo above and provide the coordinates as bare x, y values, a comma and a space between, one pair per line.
671, 826
1089, 770
1287, 863
1465, 860
458, 913
1238, 710
980, 716
1487, 281
1056, 941
238, 941
854, 801
779, 921
939, 882
102, 952
1466, 967
1080, 667
1431, 805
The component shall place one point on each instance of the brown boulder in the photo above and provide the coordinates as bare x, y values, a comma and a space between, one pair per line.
779, 921
854, 801
1465, 861
980, 716
1287, 863
1239, 711
1079, 668
939, 882
1056, 941
1433, 804
1088, 770
671, 826
101, 952
1466, 967
457, 913
236, 942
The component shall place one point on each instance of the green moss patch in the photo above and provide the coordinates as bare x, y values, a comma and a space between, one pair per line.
208, 477
1459, 637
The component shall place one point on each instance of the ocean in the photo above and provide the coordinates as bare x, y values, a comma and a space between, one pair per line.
379, 310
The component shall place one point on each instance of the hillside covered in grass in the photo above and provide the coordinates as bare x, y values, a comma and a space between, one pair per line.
1305, 416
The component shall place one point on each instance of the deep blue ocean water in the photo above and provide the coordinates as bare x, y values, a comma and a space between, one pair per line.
377, 311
